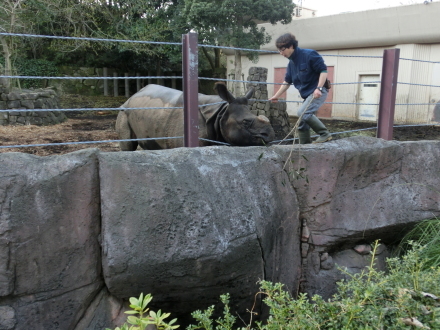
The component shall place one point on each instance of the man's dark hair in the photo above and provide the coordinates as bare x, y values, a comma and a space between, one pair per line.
286, 40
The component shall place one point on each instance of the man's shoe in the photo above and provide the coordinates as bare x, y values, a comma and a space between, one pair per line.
319, 127
304, 137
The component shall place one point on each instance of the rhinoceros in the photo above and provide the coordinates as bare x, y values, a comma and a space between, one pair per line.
230, 122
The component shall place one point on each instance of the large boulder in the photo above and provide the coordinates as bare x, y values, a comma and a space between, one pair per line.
50, 265
187, 225
354, 191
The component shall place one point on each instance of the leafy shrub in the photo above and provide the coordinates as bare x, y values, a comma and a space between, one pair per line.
35, 67
404, 298
140, 322
427, 233
204, 317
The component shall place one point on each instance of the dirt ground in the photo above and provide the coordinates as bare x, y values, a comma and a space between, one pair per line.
100, 126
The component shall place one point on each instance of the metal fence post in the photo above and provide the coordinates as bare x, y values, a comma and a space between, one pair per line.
388, 87
190, 89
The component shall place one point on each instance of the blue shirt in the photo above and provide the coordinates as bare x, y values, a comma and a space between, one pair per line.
303, 70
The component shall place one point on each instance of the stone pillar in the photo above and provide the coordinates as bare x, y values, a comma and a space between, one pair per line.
276, 112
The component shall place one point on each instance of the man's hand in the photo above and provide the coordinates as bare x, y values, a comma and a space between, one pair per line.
317, 93
273, 99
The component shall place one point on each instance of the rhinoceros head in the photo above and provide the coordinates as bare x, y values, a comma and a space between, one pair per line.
236, 125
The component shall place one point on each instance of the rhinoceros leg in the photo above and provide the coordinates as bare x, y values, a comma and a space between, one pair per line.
125, 132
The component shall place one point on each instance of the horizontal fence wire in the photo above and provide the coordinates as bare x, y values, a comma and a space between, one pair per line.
89, 39
403, 83
277, 52
86, 109
87, 142
364, 56
270, 83
415, 60
92, 78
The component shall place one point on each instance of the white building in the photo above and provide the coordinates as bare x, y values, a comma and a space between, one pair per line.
362, 37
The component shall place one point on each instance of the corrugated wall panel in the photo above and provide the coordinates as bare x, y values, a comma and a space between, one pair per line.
421, 73
402, 96
434, 96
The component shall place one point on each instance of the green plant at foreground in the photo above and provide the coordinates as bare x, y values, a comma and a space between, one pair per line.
427, 233
401, 299
140, 322
204, 317
407, 297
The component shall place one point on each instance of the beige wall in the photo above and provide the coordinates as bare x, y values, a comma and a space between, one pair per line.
414, 29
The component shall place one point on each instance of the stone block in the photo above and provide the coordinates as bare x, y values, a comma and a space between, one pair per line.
51, 220
28, 104
39, 104
45, 94
198, 222
14, 104
29, 96
7, 318
13, 96
266, 106
36, 121
252, 70
328, 263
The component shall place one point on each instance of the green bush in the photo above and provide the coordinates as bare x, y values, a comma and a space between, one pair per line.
404, 298
35, 67
141, 321
407, 296
426, 233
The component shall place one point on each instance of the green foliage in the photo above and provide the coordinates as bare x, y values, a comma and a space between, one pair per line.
225, 322
137, 320
367, 300
406, 297
426, 232
34, 67
233, 22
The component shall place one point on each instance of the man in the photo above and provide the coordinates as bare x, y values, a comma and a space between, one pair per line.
308, 73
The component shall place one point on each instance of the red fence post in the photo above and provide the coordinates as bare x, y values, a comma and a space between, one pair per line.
388, 87
190, 61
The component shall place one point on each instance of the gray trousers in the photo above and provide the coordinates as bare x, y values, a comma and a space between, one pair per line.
310, 106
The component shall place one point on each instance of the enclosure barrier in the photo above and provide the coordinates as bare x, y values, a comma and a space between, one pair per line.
190, 88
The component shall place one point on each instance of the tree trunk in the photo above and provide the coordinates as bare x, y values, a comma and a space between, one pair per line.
208, 57
237, 84
8, 64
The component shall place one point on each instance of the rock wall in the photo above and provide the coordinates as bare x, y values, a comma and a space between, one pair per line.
82, 232
17, 100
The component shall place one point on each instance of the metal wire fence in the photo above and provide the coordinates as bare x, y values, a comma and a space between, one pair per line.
181, 77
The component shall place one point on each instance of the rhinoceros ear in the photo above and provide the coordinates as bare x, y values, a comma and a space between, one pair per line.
223, 92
